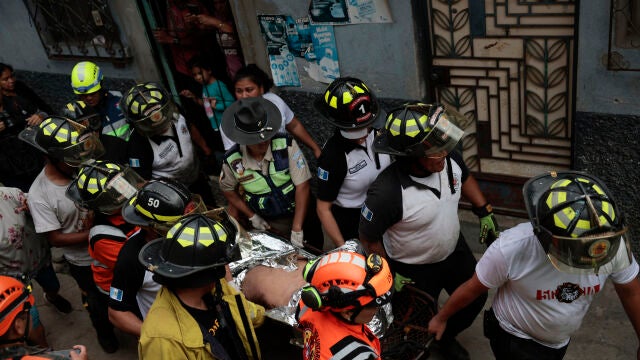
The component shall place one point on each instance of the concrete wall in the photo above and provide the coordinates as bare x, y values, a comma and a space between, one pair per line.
600, 90
21, 47
606, 126
383, 55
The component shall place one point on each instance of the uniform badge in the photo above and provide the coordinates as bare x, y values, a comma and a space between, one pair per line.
237, 166
323, 174
568, 292
134, 163
311, 338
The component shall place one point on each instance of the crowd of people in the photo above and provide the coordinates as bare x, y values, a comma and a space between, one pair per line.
120, 184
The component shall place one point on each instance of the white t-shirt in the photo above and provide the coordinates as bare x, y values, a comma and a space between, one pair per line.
285, 110
52, 210
526, 304
175, 160
147, 293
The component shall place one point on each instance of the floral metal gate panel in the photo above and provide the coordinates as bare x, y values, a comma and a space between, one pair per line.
508, 65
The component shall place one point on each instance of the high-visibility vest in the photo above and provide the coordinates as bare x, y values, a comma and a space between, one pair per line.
272, 195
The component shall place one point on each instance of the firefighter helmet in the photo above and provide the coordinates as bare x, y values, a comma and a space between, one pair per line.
419, 129
149, 108
104, 186
195, 244
348, 104
575, 218
64, 139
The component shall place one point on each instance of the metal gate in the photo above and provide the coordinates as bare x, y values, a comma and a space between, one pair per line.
508, 65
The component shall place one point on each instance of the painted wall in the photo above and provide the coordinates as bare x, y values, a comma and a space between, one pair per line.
383, 55
599, 90
21, 47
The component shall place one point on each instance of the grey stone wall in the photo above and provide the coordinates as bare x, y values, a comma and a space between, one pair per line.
607, 146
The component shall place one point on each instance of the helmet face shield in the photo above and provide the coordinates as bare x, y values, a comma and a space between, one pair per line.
418, 130
114, 194
156, 118
73, 143
591, 254
444, 135
87, 148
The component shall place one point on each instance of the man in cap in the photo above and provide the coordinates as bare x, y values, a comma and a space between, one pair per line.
197, 314
548, 271
268, 165
86, 82
411, 210
154, 208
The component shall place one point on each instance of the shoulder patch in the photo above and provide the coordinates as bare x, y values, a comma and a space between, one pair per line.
115, 294
323, 174
366, 213
134, 163
236, 165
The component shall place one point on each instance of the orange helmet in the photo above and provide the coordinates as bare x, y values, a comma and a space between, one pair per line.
345, 280
15, 298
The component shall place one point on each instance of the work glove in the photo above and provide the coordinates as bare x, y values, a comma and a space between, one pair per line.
488, 224
297, 238
400, 281
259, 223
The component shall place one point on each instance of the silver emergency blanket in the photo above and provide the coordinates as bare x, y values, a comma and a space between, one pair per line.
260, 248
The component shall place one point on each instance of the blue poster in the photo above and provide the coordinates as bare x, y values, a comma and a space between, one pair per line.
281, 60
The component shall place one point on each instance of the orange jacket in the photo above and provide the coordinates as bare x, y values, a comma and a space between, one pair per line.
105, 242
327, 337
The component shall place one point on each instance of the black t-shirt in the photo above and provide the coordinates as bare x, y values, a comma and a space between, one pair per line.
219, 326
128, 276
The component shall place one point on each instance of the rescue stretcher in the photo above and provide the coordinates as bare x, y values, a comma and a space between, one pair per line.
401, 325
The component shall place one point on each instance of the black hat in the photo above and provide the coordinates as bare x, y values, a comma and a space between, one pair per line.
252, 120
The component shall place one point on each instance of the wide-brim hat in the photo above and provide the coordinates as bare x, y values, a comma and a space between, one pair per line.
252, 120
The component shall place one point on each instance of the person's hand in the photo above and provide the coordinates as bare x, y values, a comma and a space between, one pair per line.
213, 101
2, 126
259, 223
297, 238
400, 281
488, 224
34, 119
79, 352
437, 326
188, 94
162, 36
317, 152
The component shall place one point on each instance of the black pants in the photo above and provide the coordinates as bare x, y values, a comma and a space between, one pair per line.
97, 302
509, 347
448, 275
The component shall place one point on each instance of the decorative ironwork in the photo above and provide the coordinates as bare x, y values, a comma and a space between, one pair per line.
78, 29
510, 64
624, 36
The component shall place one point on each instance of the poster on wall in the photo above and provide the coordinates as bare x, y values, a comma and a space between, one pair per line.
344, 12
326, 67
299, 37
281, 60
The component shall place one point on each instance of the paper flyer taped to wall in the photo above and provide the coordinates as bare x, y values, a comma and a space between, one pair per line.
281, 60
345, 12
